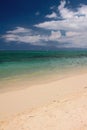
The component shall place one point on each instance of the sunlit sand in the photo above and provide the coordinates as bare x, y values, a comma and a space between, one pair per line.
59, 105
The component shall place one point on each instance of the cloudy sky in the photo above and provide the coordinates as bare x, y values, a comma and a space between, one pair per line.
43, 24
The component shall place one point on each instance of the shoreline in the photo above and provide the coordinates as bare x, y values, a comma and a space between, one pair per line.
20, 82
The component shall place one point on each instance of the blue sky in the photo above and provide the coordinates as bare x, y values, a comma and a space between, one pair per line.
43, 24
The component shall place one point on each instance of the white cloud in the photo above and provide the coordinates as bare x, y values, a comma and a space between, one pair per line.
10, 37
34, 40
24, 35
73, 23
53, 15
20, 34
63, 25
29, 39
62, 5
71, 20
82, 10
72, 34
65, 12
19, 30
55, 36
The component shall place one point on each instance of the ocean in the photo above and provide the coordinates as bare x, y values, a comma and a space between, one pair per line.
37, 63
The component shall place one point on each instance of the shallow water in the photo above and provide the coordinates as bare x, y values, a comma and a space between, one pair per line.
38, 63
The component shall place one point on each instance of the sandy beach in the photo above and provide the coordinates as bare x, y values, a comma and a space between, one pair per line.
56, 105
43, 65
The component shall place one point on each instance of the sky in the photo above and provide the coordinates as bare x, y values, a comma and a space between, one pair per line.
43, 24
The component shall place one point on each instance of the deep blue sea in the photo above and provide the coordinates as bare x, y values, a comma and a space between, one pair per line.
37, 63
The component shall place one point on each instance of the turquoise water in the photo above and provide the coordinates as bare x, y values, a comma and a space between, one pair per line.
36, 63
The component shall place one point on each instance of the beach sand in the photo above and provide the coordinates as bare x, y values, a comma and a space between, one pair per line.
57, 105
